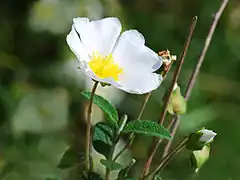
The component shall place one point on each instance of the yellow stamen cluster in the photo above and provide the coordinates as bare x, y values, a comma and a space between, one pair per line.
104, 66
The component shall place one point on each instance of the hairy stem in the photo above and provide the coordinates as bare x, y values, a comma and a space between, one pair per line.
196, 70
174, 81
89, 125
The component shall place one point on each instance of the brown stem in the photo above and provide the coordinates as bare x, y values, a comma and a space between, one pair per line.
178, 69
89, 125
174, 81
146, 98
196, 70
168, 158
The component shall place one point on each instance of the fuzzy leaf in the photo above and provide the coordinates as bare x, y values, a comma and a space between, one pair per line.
102, 139
105, 105
148, 128
111, 165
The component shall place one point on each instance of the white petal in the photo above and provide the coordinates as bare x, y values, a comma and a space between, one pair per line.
76, 46
130, 50
138, 82
98, 36
207, 136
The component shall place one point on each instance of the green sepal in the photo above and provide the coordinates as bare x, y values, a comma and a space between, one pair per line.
200, 157
193, 142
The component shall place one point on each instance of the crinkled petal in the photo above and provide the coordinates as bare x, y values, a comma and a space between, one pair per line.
98, 36
130, 50
76, 46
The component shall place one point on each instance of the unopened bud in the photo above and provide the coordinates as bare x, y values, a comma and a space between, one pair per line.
177, 103
197, 140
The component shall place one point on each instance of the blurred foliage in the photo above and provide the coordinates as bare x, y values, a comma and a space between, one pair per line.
42, 112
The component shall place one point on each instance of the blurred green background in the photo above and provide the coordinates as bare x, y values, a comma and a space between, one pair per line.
42, 113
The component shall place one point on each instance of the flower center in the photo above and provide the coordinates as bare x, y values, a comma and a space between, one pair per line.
104, 66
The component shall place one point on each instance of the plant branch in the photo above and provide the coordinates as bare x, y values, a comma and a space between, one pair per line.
196, 70
174, 81
169, 157
89, 125
178, 69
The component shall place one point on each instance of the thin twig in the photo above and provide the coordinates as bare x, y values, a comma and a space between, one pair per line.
89, 125
174, 81
178, 69
146, 98
169, 157
195, 73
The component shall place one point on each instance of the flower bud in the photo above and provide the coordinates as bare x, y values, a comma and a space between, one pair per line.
177, 103
197, 140
199, 158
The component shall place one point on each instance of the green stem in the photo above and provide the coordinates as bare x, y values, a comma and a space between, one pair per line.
110, 157
132, 136
88, 132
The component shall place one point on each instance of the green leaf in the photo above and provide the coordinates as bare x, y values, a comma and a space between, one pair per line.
157, 177
70, 158
146, 127
102, 139
111, 165
105, 105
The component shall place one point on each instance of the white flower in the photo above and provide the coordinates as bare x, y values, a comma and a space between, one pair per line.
207, 135
120, 60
